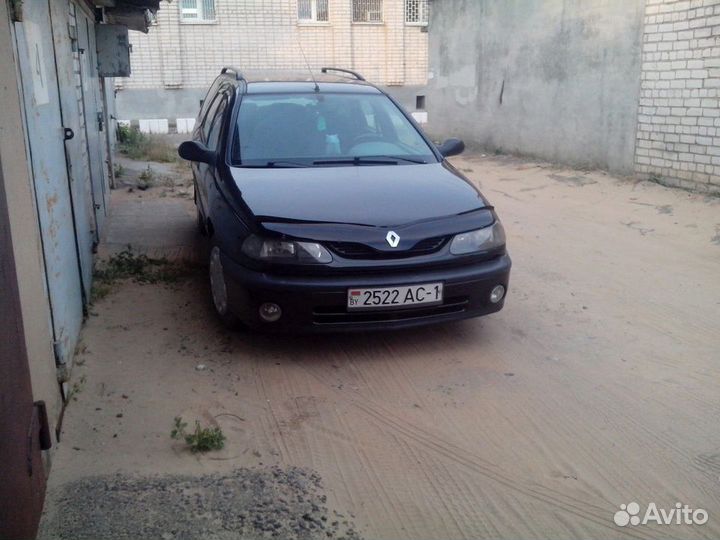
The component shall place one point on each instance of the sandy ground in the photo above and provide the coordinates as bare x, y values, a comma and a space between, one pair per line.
596, 386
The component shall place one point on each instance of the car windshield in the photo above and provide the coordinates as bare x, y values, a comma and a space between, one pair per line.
301, 130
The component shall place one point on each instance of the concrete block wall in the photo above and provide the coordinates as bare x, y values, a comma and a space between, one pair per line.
550, 79
678, 135
176, 62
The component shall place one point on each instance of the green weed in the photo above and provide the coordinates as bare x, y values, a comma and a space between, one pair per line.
202, 439
138, 267
76, 389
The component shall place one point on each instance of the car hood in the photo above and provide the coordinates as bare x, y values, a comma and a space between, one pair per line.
370, 195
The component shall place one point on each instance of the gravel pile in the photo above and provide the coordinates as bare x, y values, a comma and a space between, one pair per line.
247, 503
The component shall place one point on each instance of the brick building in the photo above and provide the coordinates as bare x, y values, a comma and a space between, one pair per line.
385, 40
678, 138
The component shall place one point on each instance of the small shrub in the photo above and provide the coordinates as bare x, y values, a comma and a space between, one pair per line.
118, 170
125, 133
202, 439
145, 147
146, 178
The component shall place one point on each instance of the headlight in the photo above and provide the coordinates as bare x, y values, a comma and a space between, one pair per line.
480, 240
285, 251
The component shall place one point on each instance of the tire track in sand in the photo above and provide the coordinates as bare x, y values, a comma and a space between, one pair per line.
429, 442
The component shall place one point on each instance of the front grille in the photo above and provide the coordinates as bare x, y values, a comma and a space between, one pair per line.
355, 250
329, 315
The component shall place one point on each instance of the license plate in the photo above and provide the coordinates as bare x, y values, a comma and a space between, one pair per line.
395, 297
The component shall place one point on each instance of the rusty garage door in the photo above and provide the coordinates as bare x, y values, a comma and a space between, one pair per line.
23, 425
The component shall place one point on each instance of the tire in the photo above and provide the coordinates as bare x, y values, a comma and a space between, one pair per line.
218, 290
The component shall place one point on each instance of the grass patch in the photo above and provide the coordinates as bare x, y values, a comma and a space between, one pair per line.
145, 147
99, 290
138, 267
202, 439
76, 388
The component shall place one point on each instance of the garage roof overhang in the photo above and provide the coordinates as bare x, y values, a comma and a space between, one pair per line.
135, 14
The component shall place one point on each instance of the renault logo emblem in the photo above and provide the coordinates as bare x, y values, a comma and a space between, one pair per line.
393, 239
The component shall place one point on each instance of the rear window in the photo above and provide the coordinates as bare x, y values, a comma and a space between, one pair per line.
305, 128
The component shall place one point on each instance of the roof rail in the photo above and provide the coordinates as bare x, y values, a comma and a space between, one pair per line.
238, 74
341, 70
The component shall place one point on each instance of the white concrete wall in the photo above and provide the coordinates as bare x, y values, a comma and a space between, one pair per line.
554, 79
678, 136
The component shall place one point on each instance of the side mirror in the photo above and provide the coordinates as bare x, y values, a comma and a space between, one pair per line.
195, 151
452, 147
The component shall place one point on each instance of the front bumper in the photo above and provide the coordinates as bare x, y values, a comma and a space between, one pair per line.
318, 303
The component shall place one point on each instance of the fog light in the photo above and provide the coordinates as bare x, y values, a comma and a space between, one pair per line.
270, 312
497, 294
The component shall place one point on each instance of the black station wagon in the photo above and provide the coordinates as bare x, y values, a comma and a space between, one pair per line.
328, 209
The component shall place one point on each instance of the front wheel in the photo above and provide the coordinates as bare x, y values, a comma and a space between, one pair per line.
218, 290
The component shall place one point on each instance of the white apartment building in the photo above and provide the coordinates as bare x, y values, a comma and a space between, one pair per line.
191, 40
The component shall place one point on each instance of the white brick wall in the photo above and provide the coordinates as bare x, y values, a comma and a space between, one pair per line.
678, 138
264, 34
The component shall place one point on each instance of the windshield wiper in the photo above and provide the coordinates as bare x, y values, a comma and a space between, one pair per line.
280, 164
401, 158
356, 160
368, 160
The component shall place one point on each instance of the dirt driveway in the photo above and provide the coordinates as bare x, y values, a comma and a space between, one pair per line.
596, 386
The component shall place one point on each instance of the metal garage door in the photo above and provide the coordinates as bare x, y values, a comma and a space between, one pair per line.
94, 116
67, 61
47, 157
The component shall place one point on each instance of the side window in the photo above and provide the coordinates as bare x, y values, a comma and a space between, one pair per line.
210, 116
206, 101
216, 123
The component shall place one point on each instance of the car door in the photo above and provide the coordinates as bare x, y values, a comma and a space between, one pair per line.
203, 172
197, 135
211, 138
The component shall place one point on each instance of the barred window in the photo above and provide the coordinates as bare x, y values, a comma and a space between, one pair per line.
367, 11
312, 10
197, 10
416, 12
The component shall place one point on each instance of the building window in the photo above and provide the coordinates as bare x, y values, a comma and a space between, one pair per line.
367, 11
197, 10
313, 10
416, 12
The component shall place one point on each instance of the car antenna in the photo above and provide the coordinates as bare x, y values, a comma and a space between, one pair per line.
317, 87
